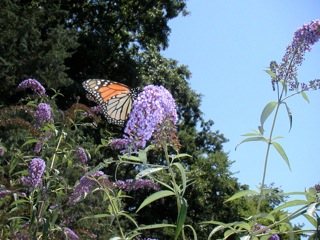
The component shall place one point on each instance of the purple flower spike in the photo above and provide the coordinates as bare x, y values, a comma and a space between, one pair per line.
84, 186
34, 85
43, 114
36, 170
303, 40
153, 107
70, 234
82, 156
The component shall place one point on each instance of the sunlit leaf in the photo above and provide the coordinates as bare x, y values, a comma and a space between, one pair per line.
181, 155
242, 194
311, 220
155, 226
252, 139
280, 150
271, 73
181, 218
292, 203
183, 176
305, 97
261, 130
268, 109
131, 158
311, 195
154, 197
312, 209
148, 171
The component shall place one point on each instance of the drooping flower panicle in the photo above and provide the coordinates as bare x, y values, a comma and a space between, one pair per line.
153, 106
34, 85
84, 186
36, 169
82, 156
42, 114
303, 40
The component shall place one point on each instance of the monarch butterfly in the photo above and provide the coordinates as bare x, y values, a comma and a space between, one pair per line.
115, 98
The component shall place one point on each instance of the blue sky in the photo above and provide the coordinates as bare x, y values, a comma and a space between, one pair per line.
227, 45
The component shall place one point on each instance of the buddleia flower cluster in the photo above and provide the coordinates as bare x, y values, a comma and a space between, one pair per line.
36, 169
154, 111
303, 40
43, 114
34, 85
85, 184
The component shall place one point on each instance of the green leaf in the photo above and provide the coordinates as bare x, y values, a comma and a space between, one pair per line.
154, 226
305, 97
252, 134
143, 156
131, 158
292, 203
129, 217
289, 115
154, 197
311, 195
252, 139
280, 150
242, 194
183, 176
97, 216
268, 109
181, 217
311, 220
195, 237
261, 130
271, 73
181, 155
148, 172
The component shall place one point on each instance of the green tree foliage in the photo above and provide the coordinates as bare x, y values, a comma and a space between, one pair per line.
34, 43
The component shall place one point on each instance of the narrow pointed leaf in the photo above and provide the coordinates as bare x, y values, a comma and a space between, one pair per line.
252, 139
311, 220
251, 134
242, 194
289, 115
292, 203
181, 218
271, 73
183, 176
148, 172
305, 97
268, 109
261, 130
181, 155
280, 150
154, 197
155, 226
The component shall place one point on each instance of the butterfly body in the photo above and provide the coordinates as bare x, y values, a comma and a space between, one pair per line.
115, 98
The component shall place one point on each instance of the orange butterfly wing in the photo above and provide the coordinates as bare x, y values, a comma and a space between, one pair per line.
115, 98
